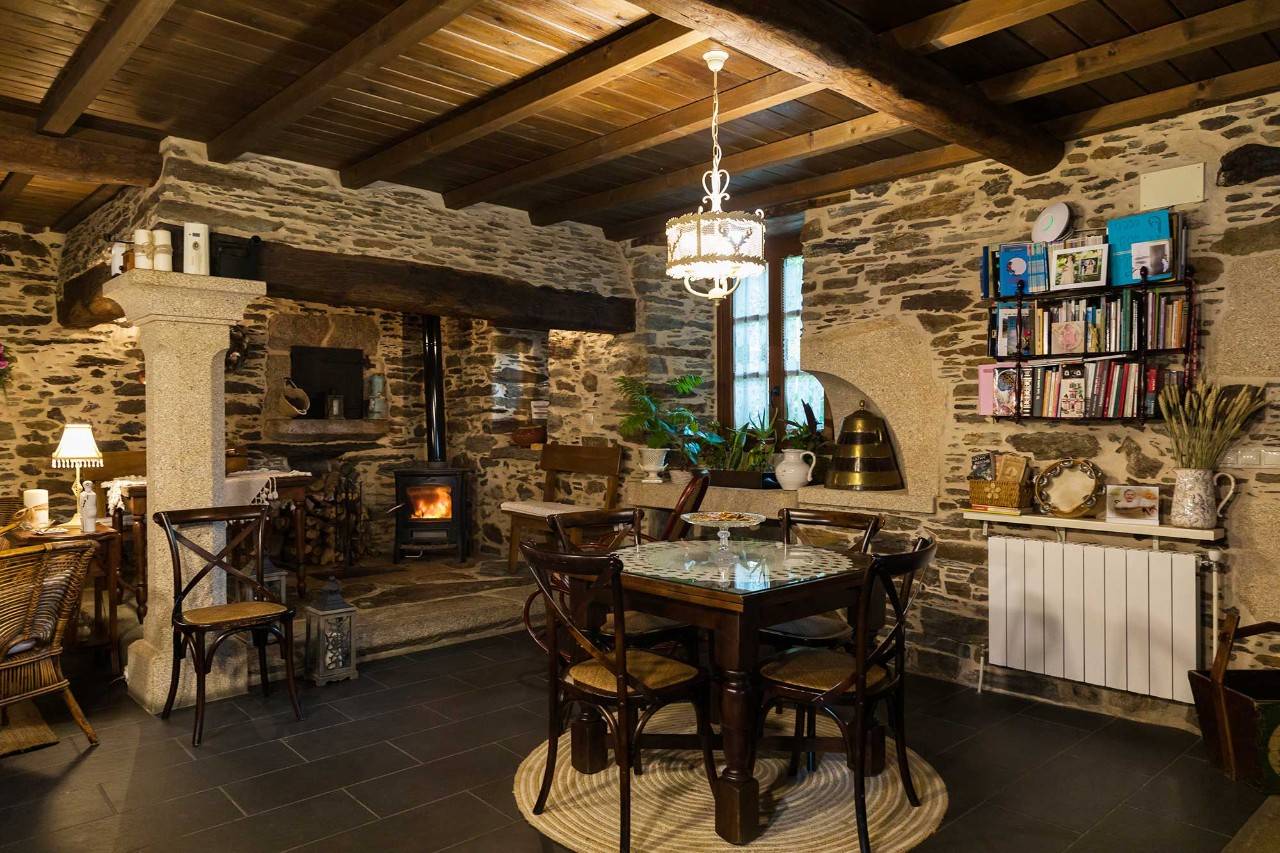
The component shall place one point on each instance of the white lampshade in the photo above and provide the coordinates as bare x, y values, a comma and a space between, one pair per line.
77, 447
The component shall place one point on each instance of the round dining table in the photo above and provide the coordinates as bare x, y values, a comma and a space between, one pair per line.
732, 594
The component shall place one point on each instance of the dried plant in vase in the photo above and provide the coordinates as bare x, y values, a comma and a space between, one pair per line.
1202, 421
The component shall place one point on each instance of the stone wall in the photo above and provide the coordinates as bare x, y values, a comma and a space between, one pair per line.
908, 250
92, 375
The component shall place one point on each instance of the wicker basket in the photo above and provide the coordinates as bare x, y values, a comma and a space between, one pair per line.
994, 493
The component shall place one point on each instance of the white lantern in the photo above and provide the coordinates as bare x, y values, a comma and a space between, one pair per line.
331, 635
713, 246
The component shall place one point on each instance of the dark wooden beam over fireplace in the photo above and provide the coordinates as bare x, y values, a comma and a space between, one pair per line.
361, 281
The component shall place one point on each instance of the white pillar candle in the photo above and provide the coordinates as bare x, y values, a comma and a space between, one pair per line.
37, 502
162, 250
142, 248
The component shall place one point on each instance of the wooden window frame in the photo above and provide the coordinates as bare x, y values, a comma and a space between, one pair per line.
776, 251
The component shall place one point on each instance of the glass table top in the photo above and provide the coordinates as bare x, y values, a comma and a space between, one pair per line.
748, 566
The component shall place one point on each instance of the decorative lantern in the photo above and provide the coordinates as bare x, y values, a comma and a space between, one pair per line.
711, 245
331, 648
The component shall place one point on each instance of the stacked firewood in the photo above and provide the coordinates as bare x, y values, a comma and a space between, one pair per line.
338, 524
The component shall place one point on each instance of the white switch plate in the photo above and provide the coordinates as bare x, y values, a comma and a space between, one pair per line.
1167, 187
1251, 457
1231, 459
1270, 457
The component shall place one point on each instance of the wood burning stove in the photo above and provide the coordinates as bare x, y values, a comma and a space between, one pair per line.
432, 511
433, 503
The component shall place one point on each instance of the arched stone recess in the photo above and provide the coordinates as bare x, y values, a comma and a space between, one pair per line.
889, 364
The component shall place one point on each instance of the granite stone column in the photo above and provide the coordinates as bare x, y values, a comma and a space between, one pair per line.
183, 326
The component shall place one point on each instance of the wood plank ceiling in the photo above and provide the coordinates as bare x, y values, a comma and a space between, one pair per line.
591, 110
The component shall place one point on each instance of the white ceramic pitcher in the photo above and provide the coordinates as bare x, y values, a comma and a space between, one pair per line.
792, 472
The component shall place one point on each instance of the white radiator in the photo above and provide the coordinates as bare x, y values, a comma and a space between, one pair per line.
1118, 617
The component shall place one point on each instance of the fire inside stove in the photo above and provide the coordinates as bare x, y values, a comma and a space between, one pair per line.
431, 502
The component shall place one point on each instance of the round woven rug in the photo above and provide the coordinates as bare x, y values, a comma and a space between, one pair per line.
672, 808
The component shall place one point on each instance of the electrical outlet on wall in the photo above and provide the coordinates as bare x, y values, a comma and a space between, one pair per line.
1270, 457
1251, 457
1231, 459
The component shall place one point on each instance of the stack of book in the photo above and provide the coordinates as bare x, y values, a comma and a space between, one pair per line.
1094, 324
1102, 388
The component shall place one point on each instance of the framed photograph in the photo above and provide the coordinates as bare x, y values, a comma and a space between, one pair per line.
1156, 256
1081, 266
1133, 504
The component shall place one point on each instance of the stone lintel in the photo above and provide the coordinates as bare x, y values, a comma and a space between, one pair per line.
149, 296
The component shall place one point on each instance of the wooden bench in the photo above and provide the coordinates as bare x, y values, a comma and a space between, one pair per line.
559, 460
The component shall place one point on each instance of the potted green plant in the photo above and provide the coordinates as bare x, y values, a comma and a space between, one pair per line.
1202, 421
654, 422
807, 436
743, 457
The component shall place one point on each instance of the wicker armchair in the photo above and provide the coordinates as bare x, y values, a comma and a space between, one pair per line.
39, 594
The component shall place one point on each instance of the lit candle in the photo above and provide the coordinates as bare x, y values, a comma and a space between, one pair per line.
36, 502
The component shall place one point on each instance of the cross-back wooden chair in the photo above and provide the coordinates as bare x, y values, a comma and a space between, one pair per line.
559, 461
625, 686
39, 597
601, 531
264, 617
822, 679
821, 630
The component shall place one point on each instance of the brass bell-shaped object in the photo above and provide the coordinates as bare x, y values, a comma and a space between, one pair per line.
864, 459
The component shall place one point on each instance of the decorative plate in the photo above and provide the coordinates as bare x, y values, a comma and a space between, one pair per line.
724, 519
1069, 488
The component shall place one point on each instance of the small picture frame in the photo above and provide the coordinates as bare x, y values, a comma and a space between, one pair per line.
1133, 504
1156, 256
1080, 266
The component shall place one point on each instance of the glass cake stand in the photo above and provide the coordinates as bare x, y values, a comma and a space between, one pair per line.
724, 522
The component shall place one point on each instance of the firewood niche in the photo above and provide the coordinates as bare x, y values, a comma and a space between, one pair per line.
339, 527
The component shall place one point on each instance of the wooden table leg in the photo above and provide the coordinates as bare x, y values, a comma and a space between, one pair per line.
590, 741
737, 791
140, 565
300, 543
114, 555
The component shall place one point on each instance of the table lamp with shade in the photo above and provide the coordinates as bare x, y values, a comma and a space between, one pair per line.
77, 449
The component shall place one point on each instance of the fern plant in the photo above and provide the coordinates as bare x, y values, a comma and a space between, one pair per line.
652, 420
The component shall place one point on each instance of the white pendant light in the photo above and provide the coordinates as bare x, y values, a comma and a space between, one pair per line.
713, 247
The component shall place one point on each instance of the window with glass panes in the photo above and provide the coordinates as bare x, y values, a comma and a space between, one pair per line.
759, 351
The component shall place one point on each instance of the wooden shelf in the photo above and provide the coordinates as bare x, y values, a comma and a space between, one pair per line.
1096, 525
1078, 357
1085, 292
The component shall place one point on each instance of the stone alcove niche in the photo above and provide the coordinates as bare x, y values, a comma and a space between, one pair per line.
889, 365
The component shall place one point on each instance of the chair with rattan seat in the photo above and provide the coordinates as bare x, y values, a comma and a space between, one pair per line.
822, 679
821, 630
264, 617
626, 686
601, 531
39, 597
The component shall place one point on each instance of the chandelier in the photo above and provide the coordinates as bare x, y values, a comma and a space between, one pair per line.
712, 246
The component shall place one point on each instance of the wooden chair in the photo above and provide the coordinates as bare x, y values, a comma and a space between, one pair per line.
559, 460
821, 679
625, 685
39, 597
263, 617
821, 630
601, 531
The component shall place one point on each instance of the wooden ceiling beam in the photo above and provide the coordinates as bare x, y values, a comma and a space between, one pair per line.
85, 206
635, 48
1216, 27
391, 36
947, 28
828, 45
968, 21
106, 49
1201, 32
11, 187
761, 94
1145, 108
71, 159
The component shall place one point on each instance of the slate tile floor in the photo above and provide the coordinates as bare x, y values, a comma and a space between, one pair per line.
418, 754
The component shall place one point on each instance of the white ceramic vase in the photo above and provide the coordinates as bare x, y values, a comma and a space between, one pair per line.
653, 460
680, 476
793, 472
1195, 499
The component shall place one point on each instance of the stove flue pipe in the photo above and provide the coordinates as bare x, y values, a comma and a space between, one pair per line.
433, 391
